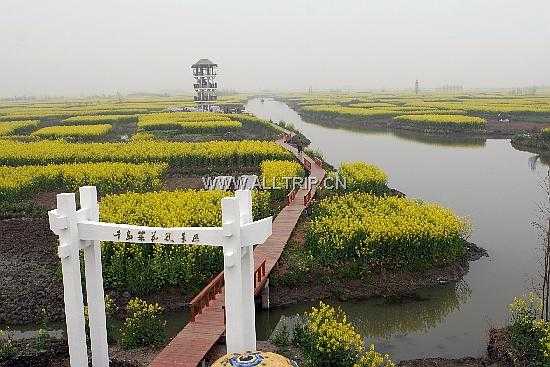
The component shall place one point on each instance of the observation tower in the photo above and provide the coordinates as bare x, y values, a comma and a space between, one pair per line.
205, 85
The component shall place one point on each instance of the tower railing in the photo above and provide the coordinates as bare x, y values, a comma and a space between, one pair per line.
205, 98
203, 73
205, 85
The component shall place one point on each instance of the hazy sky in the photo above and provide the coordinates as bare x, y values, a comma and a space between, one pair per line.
103, 46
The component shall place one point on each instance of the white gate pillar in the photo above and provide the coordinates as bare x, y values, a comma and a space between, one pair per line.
244, 197
64, 224
82, 230
94, 283
232, 274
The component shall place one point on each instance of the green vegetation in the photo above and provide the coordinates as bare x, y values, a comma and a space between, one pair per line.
195, 126
143, 136
385, 232
350, 111
372, 105
277, 177
142, 268
529, 334
143, 325
100, 119
10, 128
274, 173
357, 232
183, 155
7, 346
193, 122
36, 115
252, 120
111, 310
63, 109
492, 106
534, 143
243, 117
73, 131
25, 181
448, 120
327, 337
364, 177
381, 111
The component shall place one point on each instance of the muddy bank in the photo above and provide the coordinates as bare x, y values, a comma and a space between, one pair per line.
532, 143
56, 354
30, 276
401, 285
310, 285
31, 284
30, 353
443, 362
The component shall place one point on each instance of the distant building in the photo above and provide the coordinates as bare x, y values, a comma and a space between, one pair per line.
231, 108
450, 88
205, 85
524, 91
416, 86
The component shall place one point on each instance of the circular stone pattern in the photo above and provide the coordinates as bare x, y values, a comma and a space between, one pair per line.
249, 359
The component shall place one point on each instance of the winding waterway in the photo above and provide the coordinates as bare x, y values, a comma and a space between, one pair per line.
493, 184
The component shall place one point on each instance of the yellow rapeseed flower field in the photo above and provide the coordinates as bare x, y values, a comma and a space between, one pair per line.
273, 173
99, 119
387, 231
9, 128
197, 122
180, 155
76, 131
361, 176
327, 335
455, 120
141, 268
24, 181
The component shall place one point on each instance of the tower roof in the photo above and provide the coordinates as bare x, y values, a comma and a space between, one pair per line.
204, 62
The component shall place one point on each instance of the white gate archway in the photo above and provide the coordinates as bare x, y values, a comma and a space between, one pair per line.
82, 230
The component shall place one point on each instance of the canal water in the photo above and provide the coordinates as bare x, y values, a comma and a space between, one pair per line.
490, 182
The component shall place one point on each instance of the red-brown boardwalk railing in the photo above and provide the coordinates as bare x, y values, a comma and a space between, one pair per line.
286, 136
204, 297
215, 286
317, 161
308, 197
291, 195
191, 345
307, 164
259, 277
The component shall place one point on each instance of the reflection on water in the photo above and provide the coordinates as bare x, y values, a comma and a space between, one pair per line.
493, 184
533, 162
444, 141
381, 318
417, 136
391, 326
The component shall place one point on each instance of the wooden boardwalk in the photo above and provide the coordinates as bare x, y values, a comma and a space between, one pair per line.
191, 345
